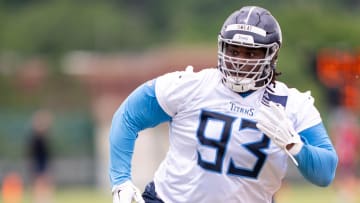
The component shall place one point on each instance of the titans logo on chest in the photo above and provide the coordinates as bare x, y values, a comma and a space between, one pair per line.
245, 110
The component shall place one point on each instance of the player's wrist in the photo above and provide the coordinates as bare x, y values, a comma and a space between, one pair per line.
295, 148
121, 185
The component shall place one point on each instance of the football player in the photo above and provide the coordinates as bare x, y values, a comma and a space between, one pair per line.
231, 128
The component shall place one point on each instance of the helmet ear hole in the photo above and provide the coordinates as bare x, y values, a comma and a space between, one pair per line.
274, 59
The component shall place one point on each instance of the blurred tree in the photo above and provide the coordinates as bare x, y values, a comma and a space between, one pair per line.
52, 28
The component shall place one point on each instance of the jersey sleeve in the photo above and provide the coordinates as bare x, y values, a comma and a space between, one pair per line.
304, 113
174, 90
139, 111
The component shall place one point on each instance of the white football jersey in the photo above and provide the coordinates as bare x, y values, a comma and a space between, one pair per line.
216, 153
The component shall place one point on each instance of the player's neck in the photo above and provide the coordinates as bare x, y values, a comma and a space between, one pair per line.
245, 94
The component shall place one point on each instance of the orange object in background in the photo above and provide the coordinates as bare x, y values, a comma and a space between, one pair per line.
12, 188
341, 70
328, 68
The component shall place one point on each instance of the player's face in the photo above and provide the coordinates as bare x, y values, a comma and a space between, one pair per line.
243, 55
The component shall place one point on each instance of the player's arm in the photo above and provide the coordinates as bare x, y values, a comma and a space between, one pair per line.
314, 154
317, 159
139, 111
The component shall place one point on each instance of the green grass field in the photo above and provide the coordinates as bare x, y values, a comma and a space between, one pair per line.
73, 195
308, 194
288, 194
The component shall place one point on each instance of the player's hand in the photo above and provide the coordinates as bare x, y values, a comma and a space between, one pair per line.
126, 193
277, 126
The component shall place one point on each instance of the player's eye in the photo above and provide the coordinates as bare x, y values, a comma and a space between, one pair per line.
235, 52
250, 54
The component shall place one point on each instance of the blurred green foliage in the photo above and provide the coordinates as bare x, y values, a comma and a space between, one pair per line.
52, 28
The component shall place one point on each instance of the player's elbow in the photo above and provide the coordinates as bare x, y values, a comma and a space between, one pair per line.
327, 175
324, 182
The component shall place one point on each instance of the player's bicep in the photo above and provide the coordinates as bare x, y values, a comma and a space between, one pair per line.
317, 136
142, 109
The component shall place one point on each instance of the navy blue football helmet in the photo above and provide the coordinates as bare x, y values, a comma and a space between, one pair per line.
254, 28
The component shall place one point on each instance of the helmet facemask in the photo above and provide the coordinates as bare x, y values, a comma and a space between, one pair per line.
246, 74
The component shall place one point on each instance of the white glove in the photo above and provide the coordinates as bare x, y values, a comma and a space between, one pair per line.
126, 193
277, 126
